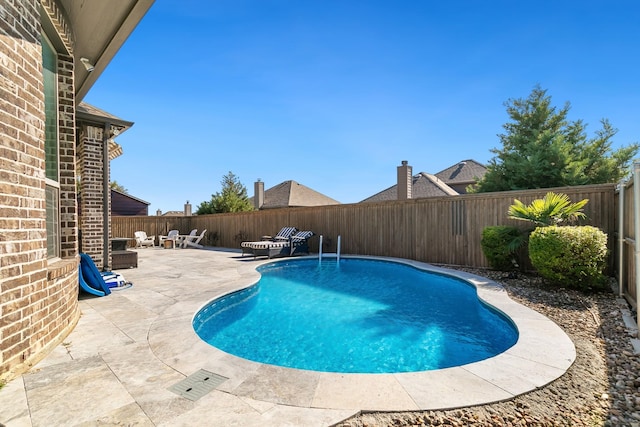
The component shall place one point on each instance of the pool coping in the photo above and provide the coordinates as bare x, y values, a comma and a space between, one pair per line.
542, 354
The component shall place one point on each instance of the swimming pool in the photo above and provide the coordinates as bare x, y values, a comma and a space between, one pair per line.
356, 316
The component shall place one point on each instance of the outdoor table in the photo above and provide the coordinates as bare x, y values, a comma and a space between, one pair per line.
120, 256
119, 243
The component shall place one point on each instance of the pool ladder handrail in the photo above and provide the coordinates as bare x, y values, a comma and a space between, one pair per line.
337, 253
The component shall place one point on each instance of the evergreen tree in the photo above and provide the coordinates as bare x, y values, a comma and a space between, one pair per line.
232, 198
115, 186
542, 149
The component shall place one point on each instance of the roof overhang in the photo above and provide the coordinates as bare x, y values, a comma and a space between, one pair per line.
86, 113
100, 28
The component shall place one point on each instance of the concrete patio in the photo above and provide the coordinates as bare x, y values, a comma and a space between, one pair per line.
131, 347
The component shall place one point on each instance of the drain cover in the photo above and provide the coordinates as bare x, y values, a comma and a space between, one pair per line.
197, 384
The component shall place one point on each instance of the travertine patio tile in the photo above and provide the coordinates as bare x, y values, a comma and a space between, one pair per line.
380, 392
450, 388
514, 374
280, 385
74, 392
14, 404
130, 347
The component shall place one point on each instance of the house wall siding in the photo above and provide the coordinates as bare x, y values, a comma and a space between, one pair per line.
38, 298
122, 205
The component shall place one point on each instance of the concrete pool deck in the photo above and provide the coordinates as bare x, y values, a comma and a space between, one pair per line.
131, 347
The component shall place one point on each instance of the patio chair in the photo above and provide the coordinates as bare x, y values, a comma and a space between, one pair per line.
300, 243
172, 236
297, 244
181, 237
282, 236
194, 241
142, 240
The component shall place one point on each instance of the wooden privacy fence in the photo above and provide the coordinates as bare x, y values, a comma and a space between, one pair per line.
442, 230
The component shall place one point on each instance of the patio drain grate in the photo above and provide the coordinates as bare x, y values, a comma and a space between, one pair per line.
197, 384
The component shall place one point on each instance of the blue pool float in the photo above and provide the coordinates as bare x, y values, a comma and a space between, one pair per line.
93, 281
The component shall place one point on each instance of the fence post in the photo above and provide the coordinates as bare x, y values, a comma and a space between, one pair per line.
621, 191
636, 221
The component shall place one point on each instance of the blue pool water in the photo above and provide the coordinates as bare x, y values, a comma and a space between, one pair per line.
360, 315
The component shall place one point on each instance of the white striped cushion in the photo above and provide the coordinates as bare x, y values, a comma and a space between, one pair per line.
302, 235
266, 244
285, 233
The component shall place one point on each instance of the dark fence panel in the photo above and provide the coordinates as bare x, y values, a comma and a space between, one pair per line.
442, 230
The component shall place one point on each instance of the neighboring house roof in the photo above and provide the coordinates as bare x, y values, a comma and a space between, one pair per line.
173, 213
448, 182
144, 202
123, 204
293, 194
423, 185
464, 172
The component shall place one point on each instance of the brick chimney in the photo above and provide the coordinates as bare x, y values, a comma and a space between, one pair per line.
405, 181
187, 209
258, 194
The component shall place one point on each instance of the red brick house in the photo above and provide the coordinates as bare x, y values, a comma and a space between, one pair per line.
52, 52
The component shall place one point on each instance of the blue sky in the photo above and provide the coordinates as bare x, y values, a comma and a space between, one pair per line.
335, 94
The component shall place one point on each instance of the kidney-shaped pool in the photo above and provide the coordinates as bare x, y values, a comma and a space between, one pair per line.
355, 316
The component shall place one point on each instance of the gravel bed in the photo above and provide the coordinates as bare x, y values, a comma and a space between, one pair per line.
601, 388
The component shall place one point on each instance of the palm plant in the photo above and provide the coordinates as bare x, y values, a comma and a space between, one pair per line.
552, 209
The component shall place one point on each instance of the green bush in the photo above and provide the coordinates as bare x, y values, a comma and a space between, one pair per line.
500, 244
571, 256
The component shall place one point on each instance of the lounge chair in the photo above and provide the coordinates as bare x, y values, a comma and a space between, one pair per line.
172, 236
142, 240
283, 235
297, 244
181, 237
95, 282
194, 241
300, 243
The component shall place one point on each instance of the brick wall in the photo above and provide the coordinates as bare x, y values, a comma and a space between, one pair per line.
67, 141
38, 299
92, 193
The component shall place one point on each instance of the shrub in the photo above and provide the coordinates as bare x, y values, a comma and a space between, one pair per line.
500, 244
571, 256
211, 239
